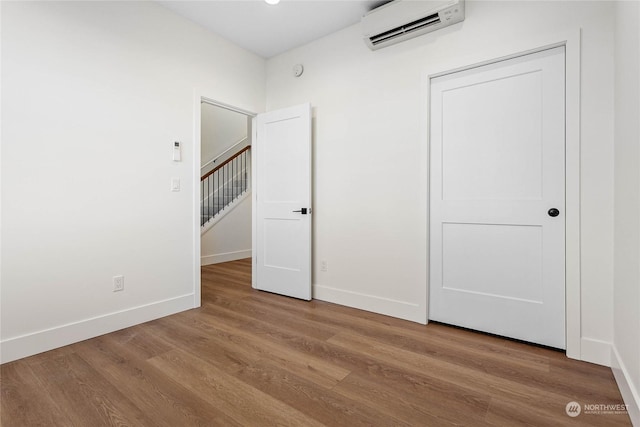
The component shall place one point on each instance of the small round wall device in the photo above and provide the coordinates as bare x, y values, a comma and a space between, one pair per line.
298, 69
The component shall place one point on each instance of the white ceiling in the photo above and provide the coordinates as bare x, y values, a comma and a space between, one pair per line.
269, 30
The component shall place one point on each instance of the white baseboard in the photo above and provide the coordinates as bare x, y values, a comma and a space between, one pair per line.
41, 341
630, 394
400, 309
595, 351
225, 257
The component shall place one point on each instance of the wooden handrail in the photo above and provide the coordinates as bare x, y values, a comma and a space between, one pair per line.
205, 176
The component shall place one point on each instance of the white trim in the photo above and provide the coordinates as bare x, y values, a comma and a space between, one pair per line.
59, 336
225, 257
231, 206
573, 235
630, 394
197, 150
596, 351
387, 306
517, 47
229, 107
254, 202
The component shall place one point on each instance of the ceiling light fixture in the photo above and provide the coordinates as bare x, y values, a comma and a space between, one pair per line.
272, 1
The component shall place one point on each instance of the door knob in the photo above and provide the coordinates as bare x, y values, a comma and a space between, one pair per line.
303, 211
553, 212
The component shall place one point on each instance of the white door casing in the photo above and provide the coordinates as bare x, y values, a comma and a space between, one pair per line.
282, 189
497, 166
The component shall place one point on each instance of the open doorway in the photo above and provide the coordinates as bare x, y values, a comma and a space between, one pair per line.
225, 183
230, 217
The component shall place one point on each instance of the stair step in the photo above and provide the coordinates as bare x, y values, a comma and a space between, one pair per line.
219, 201
213, 209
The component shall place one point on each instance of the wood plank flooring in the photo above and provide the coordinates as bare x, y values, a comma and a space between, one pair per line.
249, 358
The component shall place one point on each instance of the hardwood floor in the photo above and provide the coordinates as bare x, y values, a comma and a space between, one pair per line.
249, 358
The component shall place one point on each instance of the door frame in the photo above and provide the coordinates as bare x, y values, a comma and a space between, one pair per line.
200, 97
508, 50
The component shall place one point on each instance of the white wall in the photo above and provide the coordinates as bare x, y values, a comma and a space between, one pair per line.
626, 338
94, 94
220, 129
370, 111
230, 238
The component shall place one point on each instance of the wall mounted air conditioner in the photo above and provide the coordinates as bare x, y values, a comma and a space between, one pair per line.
401, 20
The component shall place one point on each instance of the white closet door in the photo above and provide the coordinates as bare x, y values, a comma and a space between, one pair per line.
497, 198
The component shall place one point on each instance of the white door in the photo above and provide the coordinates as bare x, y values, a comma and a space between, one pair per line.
282, 189
497, 174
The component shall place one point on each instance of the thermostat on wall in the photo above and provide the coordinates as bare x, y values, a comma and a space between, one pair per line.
176, 151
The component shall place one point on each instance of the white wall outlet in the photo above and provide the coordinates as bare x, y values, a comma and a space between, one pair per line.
118, 283
323, 265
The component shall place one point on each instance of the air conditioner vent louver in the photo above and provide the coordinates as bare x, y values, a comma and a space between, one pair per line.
405, 29
401, 20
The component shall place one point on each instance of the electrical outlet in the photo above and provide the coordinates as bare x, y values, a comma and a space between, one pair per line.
323, 265
118, 283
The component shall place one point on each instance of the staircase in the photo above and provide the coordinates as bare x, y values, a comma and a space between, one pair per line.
223, 186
